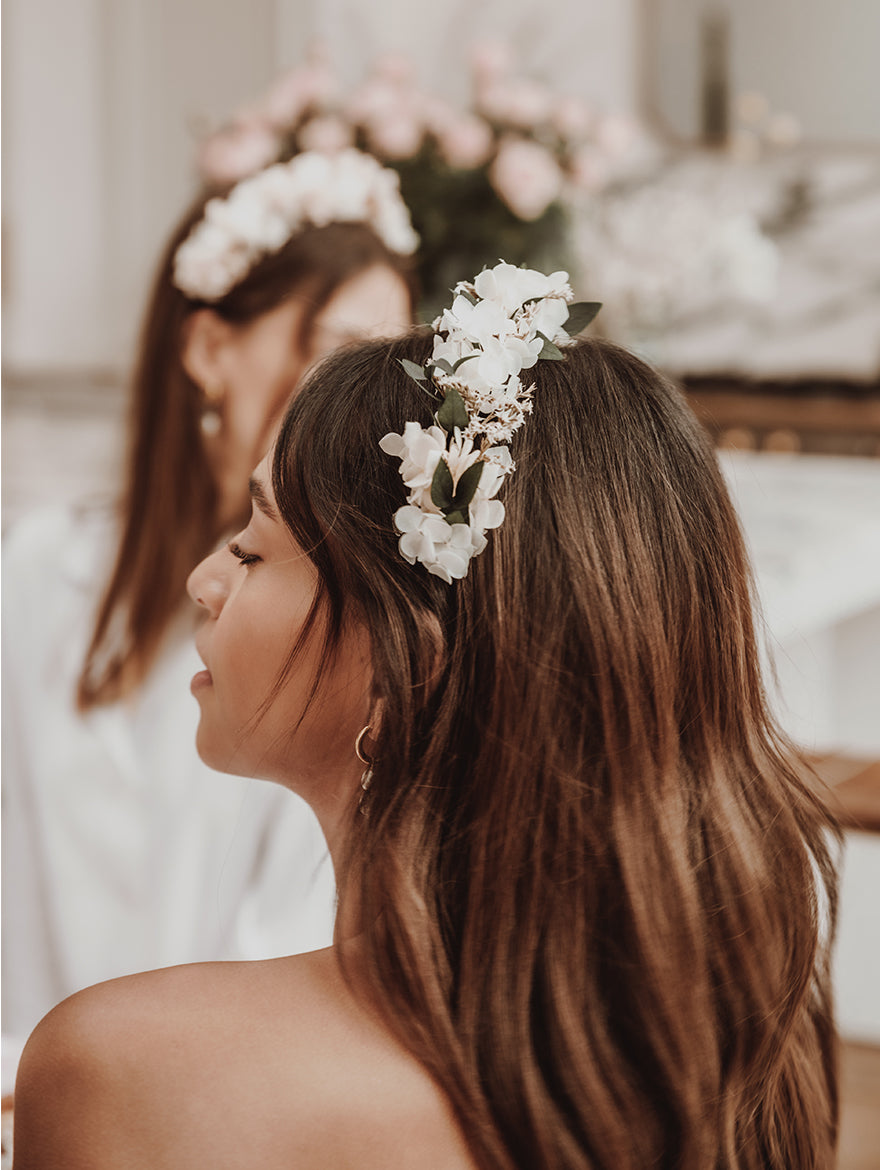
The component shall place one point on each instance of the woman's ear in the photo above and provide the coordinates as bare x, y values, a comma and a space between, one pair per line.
204, 351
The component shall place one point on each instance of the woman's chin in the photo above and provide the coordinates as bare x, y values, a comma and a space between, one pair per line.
221, 754
210, 752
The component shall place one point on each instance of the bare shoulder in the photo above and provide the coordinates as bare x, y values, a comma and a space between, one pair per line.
228, 1065
71, 1076
93, 1081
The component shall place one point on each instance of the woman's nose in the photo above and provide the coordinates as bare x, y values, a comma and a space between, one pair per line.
206, 584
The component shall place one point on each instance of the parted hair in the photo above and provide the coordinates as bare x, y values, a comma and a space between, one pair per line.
600, 897
170, 516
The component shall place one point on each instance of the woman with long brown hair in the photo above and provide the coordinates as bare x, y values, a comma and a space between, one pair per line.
121, 850
491, 616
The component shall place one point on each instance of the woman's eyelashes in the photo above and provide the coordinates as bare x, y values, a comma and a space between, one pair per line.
239, 553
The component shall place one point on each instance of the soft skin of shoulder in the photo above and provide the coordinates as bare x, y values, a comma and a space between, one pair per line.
70, 1087
230, 1065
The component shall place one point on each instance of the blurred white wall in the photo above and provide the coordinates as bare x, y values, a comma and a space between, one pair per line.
584, 47
55, 197
104, 99
813, 58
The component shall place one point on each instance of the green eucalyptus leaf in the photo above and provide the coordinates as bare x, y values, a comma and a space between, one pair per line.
442, 486
457, 516
550, 352
453, 412
467, 485
468, 357
443, 364
580, 315
417, 373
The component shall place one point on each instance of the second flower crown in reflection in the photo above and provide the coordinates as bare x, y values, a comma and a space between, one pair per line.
500, 324
261, 213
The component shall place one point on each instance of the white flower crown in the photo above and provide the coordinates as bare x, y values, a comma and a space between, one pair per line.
261, 214
499, 325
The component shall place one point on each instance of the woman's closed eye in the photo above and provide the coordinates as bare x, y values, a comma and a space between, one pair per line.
239, 553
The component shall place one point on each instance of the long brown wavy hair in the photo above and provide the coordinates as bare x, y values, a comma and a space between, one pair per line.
170, 507
600, 897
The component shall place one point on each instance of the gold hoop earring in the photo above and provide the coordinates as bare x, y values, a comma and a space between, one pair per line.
367, 774
359, 743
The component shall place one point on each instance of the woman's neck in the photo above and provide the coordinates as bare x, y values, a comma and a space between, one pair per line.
334, 812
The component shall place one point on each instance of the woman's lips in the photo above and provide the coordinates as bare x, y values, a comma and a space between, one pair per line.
202, 679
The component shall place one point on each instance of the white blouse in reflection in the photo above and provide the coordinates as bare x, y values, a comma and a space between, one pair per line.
122, 851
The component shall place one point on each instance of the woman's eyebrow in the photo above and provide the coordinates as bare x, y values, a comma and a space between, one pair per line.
258, 495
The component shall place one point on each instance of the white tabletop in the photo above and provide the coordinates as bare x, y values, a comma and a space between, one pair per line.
812, 523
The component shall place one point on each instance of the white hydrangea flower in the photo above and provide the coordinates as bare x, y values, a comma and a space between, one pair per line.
502, 359
485, 514
511, 287
444, 549
419, 451
479, 323
548, 316
502, 461
214, 260
452, 350
492, 371
262, 212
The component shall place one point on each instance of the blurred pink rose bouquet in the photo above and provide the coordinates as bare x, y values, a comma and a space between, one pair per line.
494, 178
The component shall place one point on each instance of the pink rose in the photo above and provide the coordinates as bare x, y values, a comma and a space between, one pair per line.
327, 134
589, 169
526, 177
373, 100
297, 91
397, 136
490, 59
466, 142
617, 134
493, 101
236, 151
522, 103
572, 118
528, 104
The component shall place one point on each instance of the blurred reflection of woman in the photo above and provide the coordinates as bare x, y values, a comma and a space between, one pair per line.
121, 849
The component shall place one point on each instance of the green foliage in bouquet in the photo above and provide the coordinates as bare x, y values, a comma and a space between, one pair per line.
464, 225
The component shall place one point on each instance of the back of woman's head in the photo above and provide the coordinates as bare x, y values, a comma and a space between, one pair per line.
595, 880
